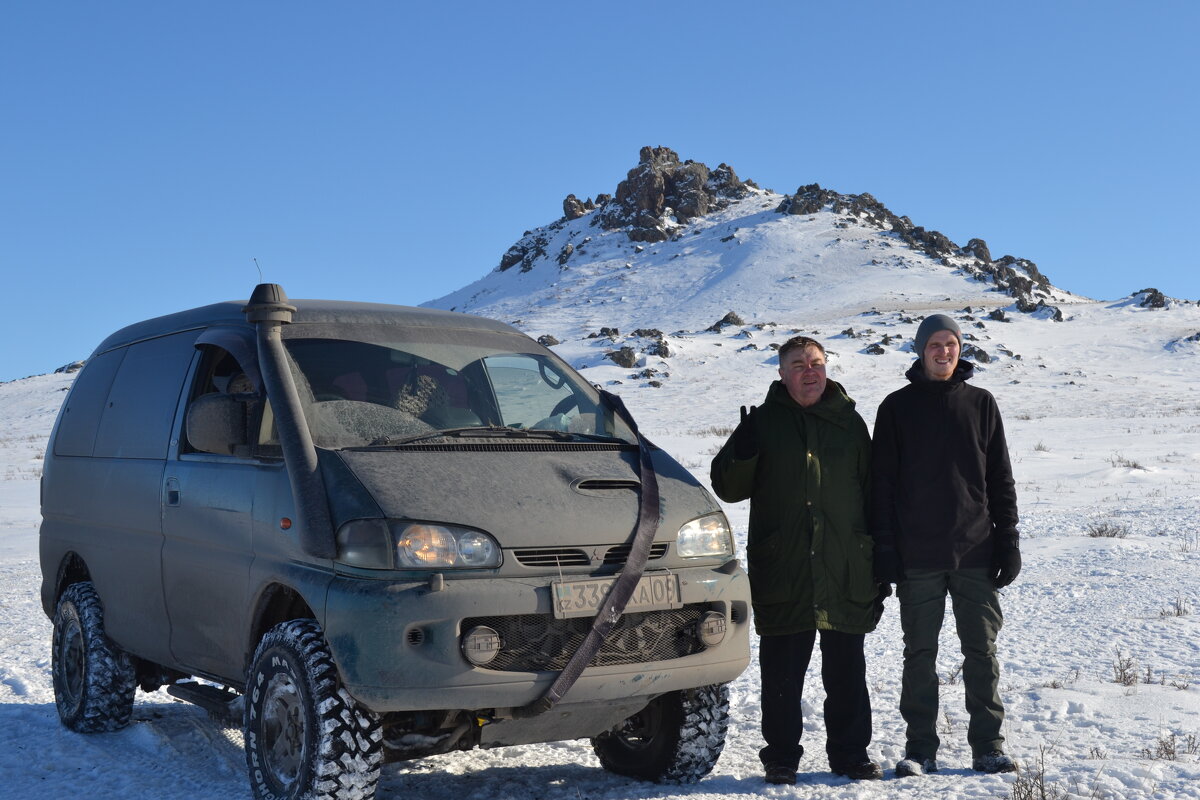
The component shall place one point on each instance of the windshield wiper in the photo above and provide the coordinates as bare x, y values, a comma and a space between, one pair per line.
476, 431
600, 437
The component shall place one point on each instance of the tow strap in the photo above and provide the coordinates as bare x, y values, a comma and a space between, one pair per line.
623, 587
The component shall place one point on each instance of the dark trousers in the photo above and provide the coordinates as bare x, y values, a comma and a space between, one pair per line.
783, 660
978, 620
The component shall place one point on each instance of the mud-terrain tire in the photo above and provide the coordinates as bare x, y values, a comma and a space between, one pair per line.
676, 739
94, 679
305, 735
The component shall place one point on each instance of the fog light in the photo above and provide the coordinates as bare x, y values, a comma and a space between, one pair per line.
712, 628
480, 645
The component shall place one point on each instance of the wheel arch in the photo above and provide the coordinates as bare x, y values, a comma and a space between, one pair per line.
276, 603
71, 569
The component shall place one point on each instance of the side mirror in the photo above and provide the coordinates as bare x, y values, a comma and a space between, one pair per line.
216, 423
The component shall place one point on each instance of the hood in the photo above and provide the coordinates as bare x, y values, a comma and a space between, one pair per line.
528, 496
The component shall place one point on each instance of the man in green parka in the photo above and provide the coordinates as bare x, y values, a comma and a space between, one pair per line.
802, 458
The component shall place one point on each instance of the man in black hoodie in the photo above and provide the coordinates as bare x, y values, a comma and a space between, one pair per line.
944, 520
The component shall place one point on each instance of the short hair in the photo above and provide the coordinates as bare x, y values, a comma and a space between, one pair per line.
801, 342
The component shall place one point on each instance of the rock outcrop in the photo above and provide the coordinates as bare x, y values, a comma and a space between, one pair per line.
528, 249
732, 318
662, 192
1151, 298
1018, 277
625, 357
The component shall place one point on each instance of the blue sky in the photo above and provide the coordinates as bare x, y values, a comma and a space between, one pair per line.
388, 151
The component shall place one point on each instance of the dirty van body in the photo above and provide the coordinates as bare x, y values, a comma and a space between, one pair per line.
380, 533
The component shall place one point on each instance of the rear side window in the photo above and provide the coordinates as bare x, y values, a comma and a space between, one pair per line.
85, 405
141, 404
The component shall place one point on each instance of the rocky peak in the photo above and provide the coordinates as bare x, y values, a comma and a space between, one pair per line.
1151, 298
660, 187
1018, 277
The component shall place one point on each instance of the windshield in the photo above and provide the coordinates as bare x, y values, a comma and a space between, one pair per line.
432, 383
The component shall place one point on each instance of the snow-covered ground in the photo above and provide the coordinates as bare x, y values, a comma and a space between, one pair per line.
1103, 422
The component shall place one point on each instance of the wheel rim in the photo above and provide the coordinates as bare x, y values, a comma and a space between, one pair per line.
639, 731
71, 663
284, 730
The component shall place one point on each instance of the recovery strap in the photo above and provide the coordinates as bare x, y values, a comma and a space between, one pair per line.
622, 588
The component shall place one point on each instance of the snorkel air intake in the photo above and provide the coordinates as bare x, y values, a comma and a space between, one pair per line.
269, 310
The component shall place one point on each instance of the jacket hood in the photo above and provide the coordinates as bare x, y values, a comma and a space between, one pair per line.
963, 371
835, 405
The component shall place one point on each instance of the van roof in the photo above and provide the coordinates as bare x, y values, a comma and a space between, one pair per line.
307, 311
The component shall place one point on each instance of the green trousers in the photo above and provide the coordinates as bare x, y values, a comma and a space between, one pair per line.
977, 616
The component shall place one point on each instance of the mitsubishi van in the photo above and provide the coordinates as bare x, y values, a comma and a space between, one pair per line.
367, 533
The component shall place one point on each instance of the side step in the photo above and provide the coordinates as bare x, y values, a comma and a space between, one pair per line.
223, 705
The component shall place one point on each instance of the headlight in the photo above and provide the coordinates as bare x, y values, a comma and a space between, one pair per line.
707, 536
426, 546
376, 544
443, 546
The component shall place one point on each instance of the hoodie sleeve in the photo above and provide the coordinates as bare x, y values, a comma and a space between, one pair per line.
885, 464
1001, 489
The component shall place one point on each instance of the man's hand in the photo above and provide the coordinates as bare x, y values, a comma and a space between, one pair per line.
887, 565
745, 436
1006, 559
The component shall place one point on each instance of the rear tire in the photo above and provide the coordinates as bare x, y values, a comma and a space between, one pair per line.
677, 738
306, 737
94, 679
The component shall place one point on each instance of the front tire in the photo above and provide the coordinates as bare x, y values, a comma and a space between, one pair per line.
677, 738
94, 679
306, 737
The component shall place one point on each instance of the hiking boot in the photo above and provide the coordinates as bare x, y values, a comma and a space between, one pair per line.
993, 762
780, 773
912, 765
858, 771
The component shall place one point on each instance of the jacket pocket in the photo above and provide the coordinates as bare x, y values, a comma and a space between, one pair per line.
770, 580
860, 568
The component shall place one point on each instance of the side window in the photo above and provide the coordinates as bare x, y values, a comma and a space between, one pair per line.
141, 404
85, 405
220, 373
528, 392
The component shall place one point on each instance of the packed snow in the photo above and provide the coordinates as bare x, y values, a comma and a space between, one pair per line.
1100, 653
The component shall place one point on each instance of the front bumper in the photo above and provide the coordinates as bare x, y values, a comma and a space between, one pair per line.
397, 643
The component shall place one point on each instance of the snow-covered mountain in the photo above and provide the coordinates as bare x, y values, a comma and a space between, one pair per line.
767, 256
1103, 422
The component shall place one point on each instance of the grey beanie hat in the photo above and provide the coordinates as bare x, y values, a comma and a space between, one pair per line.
931, 325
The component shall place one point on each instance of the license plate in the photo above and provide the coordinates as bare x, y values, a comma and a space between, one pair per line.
654, 592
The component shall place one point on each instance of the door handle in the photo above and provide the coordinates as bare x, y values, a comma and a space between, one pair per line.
172, 491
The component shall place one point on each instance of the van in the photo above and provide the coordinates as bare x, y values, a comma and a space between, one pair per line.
369, 533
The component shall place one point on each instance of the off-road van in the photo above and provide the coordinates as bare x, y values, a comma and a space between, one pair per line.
371, 533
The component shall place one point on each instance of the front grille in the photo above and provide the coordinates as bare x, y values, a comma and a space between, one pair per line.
533, 642
620, 553
553, 557
575, 557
